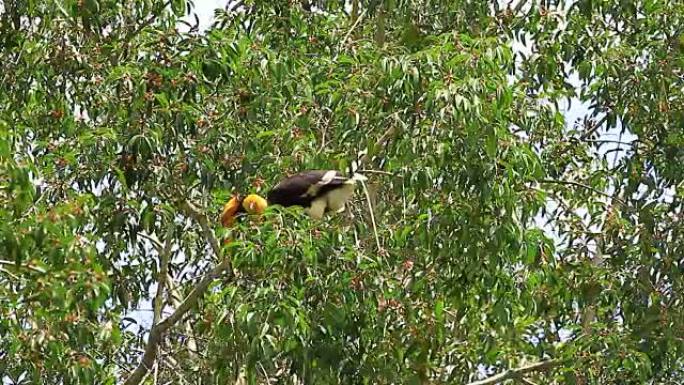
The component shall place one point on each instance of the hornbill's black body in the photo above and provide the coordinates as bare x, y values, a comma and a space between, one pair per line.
318, 191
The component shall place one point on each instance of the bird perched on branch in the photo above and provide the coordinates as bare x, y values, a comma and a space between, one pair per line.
317, 191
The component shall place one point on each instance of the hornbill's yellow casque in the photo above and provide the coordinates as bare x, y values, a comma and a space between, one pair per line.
318, 191
251, 204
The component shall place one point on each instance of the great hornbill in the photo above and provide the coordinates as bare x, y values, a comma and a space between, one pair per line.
317, 191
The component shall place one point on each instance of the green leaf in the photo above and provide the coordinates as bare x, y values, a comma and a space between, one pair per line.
439, 310
178, 7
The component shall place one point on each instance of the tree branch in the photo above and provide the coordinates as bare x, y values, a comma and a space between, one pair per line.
518, 372
380, 143
153, 240
355, 10
164, 257
158, 330
380, 26
146, 23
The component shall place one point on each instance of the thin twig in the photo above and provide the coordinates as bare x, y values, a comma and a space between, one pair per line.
610, 141
615, 158
527, 382
517, 373
263, 370
565, 205
367, 171
346, 36
324, 128
595, 127
18, 266
204, 224
372, 216
13, 276
584, 186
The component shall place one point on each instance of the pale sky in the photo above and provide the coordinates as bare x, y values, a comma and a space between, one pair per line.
205, 11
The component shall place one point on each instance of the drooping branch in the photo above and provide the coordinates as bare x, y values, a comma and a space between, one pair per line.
381, 143
158, 330
518, 372
390, 133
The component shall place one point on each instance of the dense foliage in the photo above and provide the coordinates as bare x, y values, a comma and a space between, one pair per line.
504, 234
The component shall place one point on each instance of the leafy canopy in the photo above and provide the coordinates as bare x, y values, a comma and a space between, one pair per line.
505, 233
